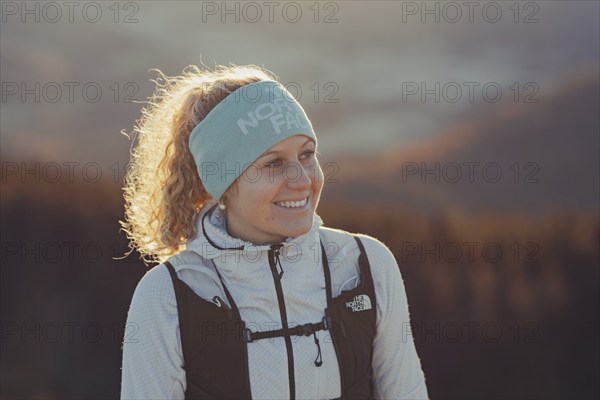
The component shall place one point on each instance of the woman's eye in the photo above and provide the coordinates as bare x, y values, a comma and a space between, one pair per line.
274, 163
309, 154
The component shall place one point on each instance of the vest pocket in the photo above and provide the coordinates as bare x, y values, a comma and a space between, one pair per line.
353, 314
215, 354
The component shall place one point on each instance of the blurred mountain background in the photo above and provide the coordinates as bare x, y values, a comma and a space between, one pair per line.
379, 145
539, 157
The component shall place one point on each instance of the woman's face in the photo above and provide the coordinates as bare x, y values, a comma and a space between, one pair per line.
287, 172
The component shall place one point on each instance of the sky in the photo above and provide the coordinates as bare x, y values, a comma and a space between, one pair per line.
363, 57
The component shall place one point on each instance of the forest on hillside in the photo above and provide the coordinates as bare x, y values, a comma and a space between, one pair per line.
502, 306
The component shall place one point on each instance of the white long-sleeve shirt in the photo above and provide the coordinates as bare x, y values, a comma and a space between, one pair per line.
153, 366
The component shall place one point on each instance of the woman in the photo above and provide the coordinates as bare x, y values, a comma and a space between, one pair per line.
253, 296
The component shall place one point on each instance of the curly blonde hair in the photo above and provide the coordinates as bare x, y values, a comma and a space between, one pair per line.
163, 192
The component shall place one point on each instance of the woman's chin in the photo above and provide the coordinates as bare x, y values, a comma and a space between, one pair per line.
297, 230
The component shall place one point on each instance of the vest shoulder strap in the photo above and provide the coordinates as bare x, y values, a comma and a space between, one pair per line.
171, 271
364, 264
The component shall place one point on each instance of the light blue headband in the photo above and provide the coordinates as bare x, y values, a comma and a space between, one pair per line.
240, 128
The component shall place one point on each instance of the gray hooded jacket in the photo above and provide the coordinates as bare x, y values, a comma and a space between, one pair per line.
153, 364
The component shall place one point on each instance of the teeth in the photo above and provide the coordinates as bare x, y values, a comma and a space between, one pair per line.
293, 204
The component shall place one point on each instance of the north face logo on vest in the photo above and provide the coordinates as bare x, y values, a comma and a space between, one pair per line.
360, 302
280, 112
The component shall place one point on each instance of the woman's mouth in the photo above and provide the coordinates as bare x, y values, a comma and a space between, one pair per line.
299, 205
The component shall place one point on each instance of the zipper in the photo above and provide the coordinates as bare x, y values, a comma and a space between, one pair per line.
273, 261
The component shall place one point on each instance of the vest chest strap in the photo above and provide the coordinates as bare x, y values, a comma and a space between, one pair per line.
300, 330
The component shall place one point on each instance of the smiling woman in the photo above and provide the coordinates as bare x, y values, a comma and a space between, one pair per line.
279, 201
222, 192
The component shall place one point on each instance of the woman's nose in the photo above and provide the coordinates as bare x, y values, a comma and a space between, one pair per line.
297, 176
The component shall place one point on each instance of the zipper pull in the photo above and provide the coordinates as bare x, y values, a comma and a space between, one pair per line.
217, 301
319, 359
276, 248
276, 253
220, 303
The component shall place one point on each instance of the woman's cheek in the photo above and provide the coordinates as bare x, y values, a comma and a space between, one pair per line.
273, 175
317, 173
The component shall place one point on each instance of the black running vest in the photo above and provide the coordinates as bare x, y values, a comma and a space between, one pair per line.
214, 339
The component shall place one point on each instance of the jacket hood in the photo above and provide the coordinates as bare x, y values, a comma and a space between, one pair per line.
212, 240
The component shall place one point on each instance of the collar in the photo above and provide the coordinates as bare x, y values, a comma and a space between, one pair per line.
212, 240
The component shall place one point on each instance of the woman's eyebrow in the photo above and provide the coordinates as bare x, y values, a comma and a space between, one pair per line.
278, 152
